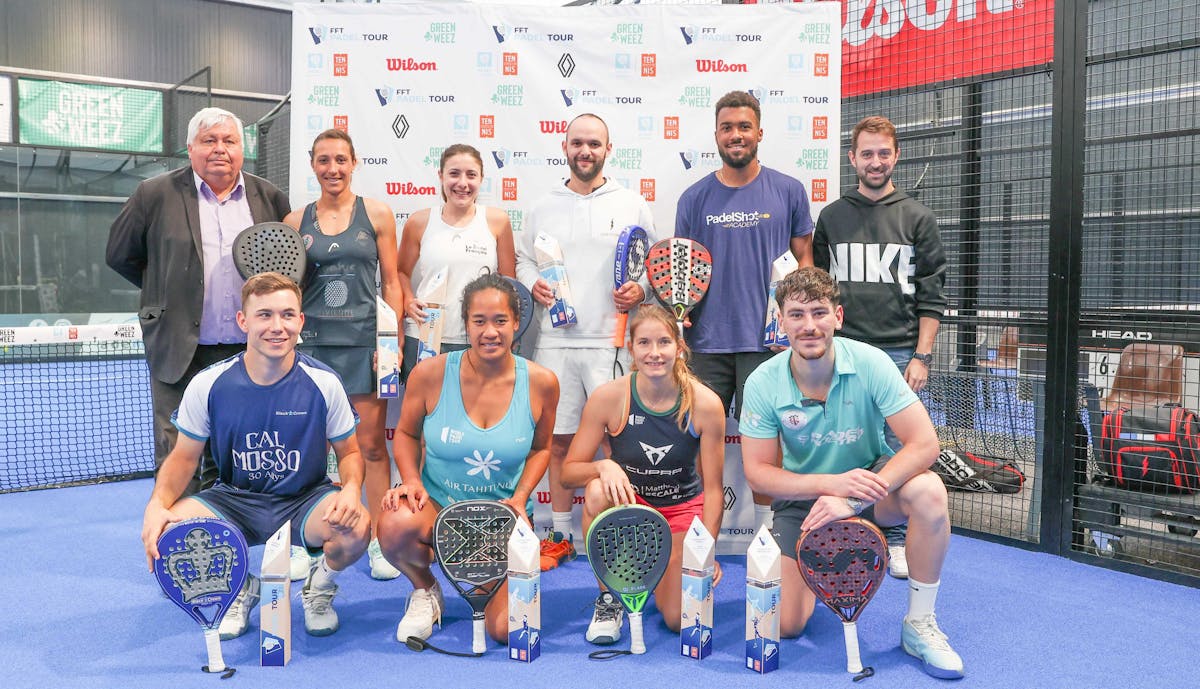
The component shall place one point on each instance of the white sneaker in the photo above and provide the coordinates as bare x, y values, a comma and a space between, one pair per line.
300, 563
607, 617
320, 619
921, 638
237, 618
380, 568
897, 562
424, 609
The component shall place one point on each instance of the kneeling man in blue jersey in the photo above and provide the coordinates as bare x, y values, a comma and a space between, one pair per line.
825, 399
270, 414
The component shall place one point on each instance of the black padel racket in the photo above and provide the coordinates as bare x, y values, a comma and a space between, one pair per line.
471, 542
629, 265
525, 304
844, 563
202, 566
270, 247
628, 547
680, 271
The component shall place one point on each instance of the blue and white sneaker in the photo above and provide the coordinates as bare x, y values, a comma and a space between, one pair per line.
921, 638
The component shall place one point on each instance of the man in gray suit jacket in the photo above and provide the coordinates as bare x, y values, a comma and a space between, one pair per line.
173, 239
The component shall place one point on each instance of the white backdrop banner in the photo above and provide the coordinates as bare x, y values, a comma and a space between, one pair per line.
405, 81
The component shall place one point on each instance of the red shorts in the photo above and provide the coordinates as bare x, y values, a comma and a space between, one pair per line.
679, 517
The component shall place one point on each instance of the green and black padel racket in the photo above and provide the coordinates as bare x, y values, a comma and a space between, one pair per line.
629, 547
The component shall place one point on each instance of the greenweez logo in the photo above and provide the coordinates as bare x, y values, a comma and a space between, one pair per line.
434, 157
516, 219
627, 34
813, 159
325, 95
815, 33
440, 32
509, 94
696, 97
626, 159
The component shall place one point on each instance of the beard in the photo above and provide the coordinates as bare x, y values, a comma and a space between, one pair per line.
748, 155
589, 176
883, 183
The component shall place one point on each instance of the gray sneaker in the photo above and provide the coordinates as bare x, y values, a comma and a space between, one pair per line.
299, 563
237, 618
607, 617
320, 619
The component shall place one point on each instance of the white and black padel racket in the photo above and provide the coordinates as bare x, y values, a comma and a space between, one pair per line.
471, 541
270, 247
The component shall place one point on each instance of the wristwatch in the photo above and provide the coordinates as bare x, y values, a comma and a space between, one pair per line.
855, 504
926, 359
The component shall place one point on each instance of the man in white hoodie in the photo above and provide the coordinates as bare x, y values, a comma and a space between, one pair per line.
585, 216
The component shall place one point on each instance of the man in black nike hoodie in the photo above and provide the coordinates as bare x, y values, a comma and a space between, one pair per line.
883, 248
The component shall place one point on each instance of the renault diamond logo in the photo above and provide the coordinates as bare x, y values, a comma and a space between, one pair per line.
566, 65
400, 126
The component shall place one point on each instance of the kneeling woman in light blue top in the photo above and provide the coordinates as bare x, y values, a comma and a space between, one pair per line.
483, 418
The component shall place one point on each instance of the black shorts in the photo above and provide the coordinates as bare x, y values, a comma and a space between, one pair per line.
259, 515
726, 374
790, 514
354, 365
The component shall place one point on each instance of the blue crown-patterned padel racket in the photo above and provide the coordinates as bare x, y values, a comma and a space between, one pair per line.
629, 547
270, 247
844, 563
629, 265
202, 566
471, 541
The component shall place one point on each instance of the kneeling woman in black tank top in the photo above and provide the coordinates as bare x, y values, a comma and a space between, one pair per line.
666, 431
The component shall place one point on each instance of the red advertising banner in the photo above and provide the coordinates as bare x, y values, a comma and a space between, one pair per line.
892, 44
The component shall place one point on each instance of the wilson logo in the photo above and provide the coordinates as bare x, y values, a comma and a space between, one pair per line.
407, 64
720, 66
409, 189
553, 126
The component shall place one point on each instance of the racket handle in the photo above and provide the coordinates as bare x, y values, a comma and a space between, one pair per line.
853, 660
637, 645
478, 640
619, 332
212, 639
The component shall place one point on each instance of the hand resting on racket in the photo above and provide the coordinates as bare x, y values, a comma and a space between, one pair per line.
630, 295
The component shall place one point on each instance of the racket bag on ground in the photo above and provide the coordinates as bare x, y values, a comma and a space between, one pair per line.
962, 470
1155, 450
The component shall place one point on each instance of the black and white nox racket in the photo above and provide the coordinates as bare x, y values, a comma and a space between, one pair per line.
470, 539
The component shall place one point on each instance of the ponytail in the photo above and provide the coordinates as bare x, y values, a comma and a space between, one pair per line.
680, 373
